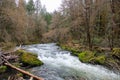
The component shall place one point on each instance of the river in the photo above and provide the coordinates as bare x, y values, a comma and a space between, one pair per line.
61, 65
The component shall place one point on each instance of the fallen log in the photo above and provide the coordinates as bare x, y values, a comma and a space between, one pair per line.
24, 72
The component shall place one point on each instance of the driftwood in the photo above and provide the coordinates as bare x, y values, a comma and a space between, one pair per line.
7, 56
4, 59
24, 72
15, 78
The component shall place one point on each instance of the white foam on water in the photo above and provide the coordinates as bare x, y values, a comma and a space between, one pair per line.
54, 57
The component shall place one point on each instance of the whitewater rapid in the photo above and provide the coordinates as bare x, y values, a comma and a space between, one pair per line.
61, 65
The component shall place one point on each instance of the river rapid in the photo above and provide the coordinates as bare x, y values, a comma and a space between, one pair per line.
61, 65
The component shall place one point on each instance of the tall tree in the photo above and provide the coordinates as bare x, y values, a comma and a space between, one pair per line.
30, 7
6, 20
38, 7
113, 36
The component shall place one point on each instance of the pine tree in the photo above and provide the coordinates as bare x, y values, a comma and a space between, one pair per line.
30, 7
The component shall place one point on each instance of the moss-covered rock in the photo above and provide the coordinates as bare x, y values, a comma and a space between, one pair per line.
99, 56
29, 59
86, 56
3, 69
90, 57
116, 53
73, 50
19, 52
100, 59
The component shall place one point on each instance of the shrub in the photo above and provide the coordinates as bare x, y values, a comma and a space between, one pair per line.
8, 46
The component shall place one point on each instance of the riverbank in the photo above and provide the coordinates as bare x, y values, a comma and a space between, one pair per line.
59, 64
98, 56
24, 60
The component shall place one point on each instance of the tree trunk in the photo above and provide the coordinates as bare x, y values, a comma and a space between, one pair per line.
88, 28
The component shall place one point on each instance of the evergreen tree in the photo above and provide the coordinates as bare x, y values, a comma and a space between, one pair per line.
30, 7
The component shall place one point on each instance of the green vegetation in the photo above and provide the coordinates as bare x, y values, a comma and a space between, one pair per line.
93, 28
20, 52
71, 49
3, 69
90, 57
86, 56
100, 59
27, 58
116, 52
30, 59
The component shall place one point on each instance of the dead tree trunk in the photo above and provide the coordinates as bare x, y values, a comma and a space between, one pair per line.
87, 13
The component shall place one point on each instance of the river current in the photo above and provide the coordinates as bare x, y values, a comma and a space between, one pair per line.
61, 65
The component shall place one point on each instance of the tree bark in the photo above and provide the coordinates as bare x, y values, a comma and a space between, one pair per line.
88, 27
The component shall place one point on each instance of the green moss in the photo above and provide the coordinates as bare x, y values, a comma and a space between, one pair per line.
116, 52
100, 59
3, 69
86, 56
89, 57
20, 52
73, 50
28, 58
95, 57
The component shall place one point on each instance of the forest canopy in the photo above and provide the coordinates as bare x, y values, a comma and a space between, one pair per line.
86, 22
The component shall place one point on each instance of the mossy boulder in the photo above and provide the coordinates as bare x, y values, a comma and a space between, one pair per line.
90, 57
19, 52
3, 69
29, 59
100, 59
86, 56
116, 53
73, 50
